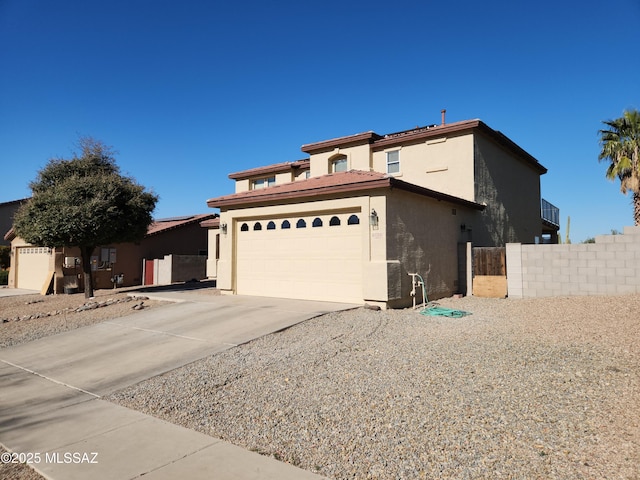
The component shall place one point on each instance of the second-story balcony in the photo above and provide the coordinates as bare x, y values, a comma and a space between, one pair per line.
550, 213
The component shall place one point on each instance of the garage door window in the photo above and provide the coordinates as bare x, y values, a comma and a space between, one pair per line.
317, 222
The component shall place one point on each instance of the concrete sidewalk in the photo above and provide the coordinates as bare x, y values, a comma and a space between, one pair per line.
51, 389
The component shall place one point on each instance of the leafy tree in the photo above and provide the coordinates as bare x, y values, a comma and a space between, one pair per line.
85, 202
620, 146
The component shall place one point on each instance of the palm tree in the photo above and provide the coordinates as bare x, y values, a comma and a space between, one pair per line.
620, 144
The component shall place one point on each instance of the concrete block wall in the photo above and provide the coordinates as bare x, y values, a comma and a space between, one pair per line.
611, 266
180, 268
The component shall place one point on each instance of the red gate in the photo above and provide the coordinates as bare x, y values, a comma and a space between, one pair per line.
148, 272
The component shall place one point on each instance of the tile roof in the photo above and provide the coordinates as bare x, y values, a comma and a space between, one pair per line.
162, 225
330, 184
418, 134
358, 138
275, 168
308, 187
211, 223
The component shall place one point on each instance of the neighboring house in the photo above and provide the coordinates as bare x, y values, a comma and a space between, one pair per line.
351, 223
7, 211
124, 264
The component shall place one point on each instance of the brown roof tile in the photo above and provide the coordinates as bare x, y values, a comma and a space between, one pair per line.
358, 138
211, 223
162, 225
331, 184
275, 168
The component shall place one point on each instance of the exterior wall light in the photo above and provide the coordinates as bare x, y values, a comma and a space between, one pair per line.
223, 228
373, 219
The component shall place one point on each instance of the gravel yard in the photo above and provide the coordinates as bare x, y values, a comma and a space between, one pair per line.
542, 388
27, 317
533, 388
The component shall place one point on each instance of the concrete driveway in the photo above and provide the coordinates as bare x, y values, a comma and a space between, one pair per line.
12, 292
50, 391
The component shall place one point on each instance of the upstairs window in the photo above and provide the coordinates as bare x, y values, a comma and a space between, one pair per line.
393, 161
260, 183
339, 164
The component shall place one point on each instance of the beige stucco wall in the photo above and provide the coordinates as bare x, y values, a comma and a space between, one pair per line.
213, 235
511, 190
423, 238
301, 174
444, 164
358, 158
242, 185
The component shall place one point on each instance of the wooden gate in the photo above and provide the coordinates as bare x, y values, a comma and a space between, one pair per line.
489, 272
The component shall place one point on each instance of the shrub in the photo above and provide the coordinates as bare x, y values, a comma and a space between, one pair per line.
4, 277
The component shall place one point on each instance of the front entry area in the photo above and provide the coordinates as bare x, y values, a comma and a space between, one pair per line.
310, 257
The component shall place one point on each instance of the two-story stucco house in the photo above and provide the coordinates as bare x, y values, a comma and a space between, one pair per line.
351, 222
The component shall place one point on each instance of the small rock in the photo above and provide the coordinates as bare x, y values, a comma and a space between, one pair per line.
372, 307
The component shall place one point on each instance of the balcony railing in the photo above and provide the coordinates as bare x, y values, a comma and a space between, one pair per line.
550, 213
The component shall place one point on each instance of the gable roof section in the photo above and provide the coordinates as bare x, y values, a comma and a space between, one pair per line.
163, 225
331, 184
275, 168
348, 141
421, 134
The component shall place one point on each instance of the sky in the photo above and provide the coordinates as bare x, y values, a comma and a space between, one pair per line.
189, 91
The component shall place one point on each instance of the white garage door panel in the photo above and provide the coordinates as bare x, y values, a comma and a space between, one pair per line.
33, 267
314, 263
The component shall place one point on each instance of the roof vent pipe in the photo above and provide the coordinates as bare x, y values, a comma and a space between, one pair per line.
444, 113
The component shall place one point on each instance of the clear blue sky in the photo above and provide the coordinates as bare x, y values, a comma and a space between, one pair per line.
188, 91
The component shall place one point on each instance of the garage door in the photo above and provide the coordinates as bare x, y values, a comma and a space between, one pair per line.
315, 257
33, 267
